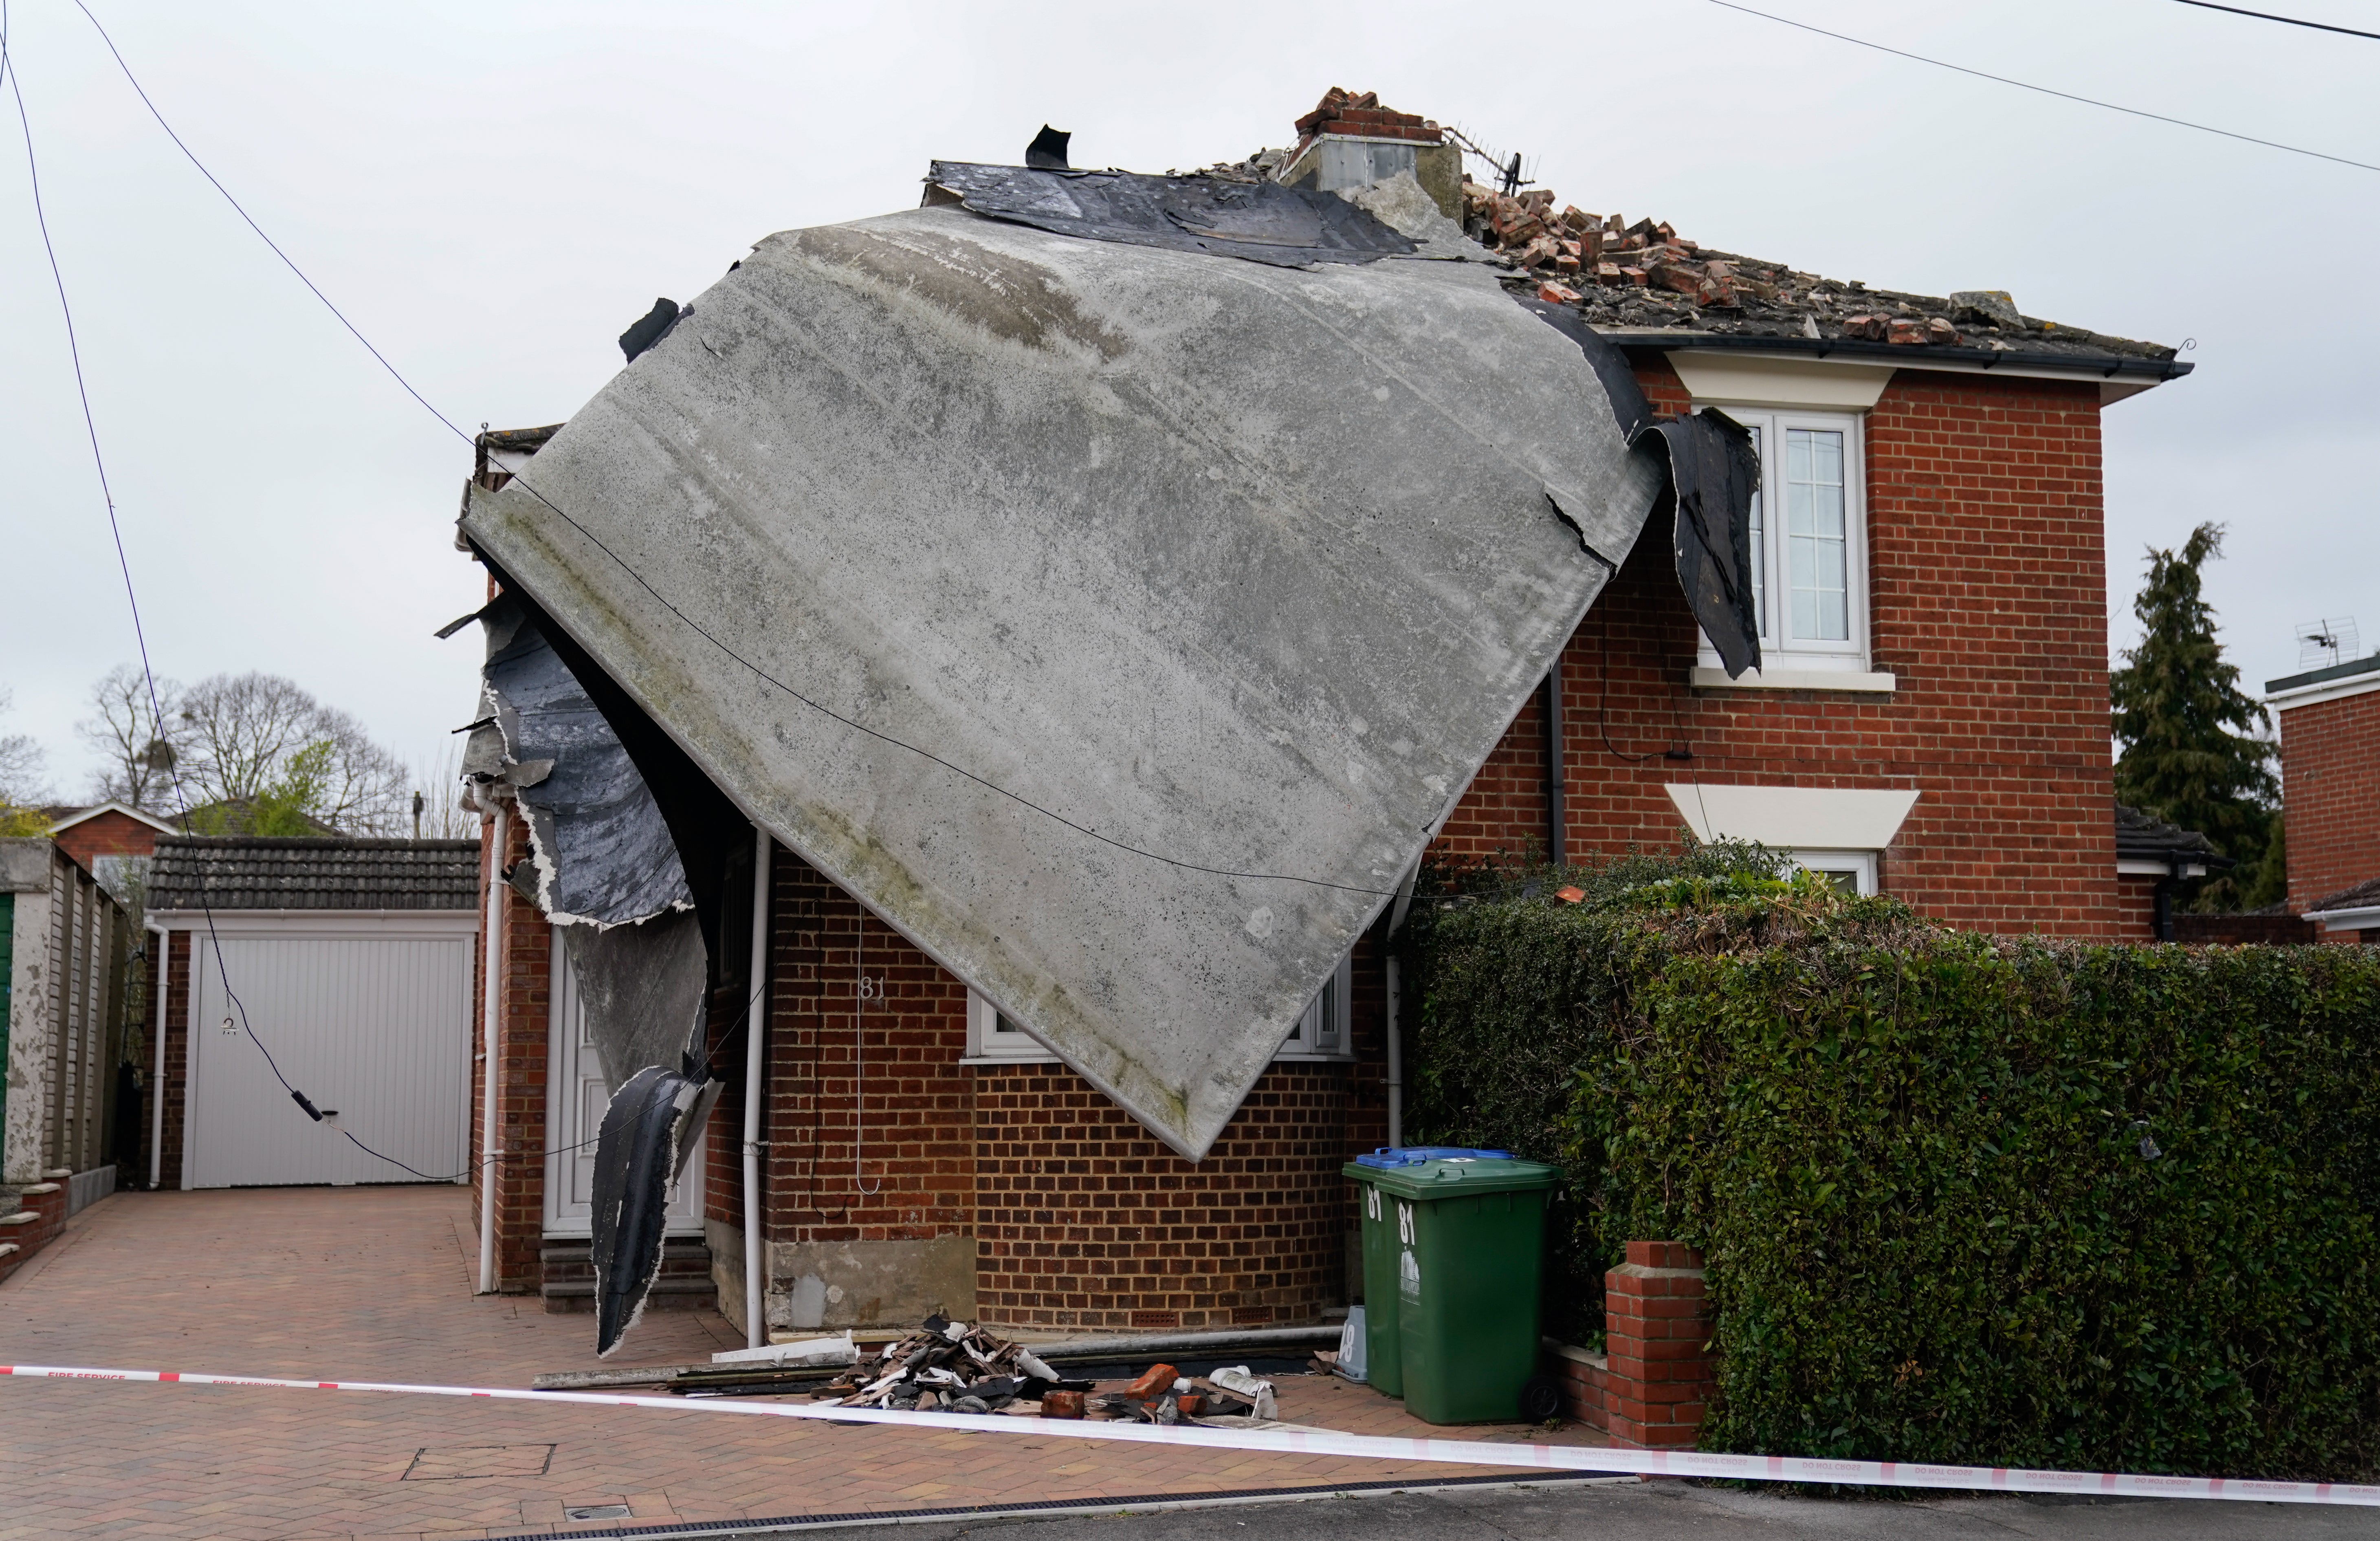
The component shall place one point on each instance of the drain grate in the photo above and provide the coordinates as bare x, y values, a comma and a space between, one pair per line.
597, 1511
450, 1463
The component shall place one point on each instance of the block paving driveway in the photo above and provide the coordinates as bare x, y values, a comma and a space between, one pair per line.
375, 1284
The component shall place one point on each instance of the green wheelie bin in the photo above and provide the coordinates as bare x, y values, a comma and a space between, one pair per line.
1458, 1238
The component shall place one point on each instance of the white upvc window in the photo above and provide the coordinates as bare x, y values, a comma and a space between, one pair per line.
992, 1035
1809, 540
1322, 1032
1852, 871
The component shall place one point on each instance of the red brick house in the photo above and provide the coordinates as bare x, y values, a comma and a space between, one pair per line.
2330, 792
1929, 720
106, 836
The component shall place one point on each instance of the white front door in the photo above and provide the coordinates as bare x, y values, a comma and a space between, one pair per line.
577, 1095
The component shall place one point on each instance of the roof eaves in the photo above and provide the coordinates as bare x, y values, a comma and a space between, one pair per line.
2100, 366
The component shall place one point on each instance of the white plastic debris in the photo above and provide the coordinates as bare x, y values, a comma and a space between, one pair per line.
801, 1353
1034, 1366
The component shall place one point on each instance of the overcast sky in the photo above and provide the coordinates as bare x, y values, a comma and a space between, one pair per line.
493, 191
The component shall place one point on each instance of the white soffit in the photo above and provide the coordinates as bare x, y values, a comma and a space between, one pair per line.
1795, 818
1725, 377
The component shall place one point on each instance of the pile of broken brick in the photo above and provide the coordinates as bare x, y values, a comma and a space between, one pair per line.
1575, 247
1646, 275
951, 1366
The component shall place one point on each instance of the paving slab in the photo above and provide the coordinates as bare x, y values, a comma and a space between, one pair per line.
375, 1284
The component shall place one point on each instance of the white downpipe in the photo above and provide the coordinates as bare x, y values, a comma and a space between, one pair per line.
157, 1077
756, 1028
490, 948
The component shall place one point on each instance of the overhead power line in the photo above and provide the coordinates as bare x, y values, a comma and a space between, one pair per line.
630, 569
2291, 20
2046, 90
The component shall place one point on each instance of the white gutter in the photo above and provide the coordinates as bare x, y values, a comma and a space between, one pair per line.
2362, 918
755, 1021
489, 950
157, 1077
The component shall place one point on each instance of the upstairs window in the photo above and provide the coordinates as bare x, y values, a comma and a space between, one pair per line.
1809, 541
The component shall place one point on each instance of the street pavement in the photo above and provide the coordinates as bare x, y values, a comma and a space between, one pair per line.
374, 1285
1681, 1511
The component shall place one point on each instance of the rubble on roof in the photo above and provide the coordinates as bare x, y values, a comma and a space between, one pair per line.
1645, 276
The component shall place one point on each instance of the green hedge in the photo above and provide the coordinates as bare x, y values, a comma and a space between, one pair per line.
1915, 1161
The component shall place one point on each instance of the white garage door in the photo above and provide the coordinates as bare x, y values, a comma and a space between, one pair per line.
378, 1027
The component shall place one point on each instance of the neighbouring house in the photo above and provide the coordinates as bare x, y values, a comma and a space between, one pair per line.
2152, 858
1057, 707
66, 960
114, 840
2330, 794
349, 966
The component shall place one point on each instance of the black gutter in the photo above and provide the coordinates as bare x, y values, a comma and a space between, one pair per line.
1914, 357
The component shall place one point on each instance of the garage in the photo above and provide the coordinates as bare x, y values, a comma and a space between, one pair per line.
343, 969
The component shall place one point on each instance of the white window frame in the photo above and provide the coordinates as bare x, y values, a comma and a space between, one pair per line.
990, 1042
1860, 865
1325, 1030
1779, 650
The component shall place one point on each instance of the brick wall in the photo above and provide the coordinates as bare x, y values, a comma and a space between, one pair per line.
2331, 788
108, 834
910, 1177
524, 977
175, 1091
1987, 600
1084, 1220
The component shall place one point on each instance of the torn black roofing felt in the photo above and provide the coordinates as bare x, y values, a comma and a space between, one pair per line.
264, 872
1225, 217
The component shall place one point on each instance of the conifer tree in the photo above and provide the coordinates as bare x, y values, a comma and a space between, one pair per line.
2190, 750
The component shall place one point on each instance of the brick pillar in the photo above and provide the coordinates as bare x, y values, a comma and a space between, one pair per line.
1658, 1366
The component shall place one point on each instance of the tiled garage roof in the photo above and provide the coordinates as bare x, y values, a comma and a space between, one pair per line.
256, 872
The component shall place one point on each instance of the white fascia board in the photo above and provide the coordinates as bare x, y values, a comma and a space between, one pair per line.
2363, 918
320, 923
1790, 818
2329, 690
1780, 380
2112, 388
160, 825
1865, 682
2141, 867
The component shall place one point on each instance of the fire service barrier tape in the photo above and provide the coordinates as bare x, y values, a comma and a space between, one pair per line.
1313, 1441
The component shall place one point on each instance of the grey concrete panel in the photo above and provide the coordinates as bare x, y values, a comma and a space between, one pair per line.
1234, 574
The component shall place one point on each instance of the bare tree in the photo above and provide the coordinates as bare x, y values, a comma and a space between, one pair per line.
137, 747
240, 732
24, 781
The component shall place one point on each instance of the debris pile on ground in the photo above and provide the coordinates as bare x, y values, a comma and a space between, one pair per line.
1644, 275
947, 1366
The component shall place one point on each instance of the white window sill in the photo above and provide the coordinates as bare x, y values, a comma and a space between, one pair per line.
1313, 1058
1795, 679
1012, 1060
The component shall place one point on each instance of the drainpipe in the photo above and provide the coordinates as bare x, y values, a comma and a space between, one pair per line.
489, 1153
755, 1026
1557, 845
1396, 1032
157, 1077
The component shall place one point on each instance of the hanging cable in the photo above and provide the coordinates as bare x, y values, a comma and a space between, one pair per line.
2063, 95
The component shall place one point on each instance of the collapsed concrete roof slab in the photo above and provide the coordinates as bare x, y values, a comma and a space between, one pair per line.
1118, 624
